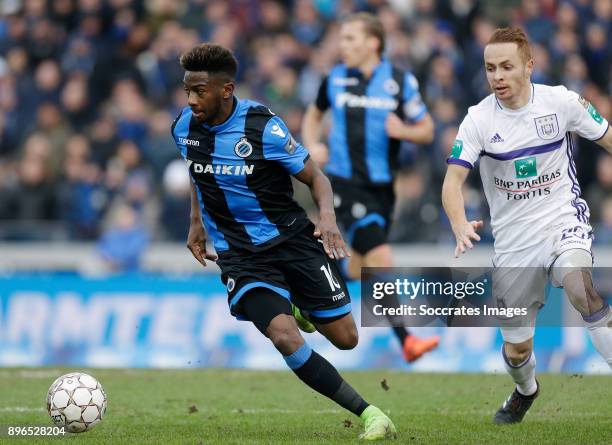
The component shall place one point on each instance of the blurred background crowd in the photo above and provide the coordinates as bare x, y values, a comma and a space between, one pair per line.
89, 89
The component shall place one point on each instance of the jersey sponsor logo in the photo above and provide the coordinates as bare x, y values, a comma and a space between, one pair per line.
191, 142
243, 148
338, 297
585, 103
547, 126
594, 114
526, 168
457, 148
390, 86
221, 169
345, 81
278, 131
354, 101
527, 188
496, 138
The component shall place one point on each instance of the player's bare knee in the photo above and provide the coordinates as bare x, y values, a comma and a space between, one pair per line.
517, 353
286, 341
579, 288
348, 340
284, 335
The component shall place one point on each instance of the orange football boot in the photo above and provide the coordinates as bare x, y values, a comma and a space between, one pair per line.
415, 347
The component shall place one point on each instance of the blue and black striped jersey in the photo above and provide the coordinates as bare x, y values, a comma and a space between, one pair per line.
360, 149
241, 169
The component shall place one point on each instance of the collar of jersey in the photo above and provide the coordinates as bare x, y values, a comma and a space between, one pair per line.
357, 72
524, 108
227, 121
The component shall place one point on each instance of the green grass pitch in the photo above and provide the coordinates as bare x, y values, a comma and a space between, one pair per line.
260, 407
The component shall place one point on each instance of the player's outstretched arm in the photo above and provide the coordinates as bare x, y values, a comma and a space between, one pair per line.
322, 194
606, 141
311, 135
196, 239
452, 200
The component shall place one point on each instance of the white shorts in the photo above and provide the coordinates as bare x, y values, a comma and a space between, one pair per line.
520, 278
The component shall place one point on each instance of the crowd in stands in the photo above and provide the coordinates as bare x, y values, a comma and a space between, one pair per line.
89, 89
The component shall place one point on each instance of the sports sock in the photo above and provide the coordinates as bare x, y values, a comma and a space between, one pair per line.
523, 374
321, 376
401, 333
599, 326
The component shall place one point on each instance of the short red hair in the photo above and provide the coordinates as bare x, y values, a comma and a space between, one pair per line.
513, 35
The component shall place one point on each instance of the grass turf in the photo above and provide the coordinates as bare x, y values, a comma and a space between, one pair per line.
245, 407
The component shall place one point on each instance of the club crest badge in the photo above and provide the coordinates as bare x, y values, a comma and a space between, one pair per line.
243, 148
547, 126
391, 87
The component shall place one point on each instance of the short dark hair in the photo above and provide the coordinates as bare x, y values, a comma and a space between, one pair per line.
210, 57
372, 25
513, 35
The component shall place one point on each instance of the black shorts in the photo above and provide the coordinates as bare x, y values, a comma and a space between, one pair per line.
364, 212
297, 269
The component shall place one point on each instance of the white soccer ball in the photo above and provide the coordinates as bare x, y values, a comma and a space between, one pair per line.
76, 401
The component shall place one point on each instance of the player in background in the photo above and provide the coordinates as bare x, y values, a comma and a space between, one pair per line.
374, 106
241, 157
522, 135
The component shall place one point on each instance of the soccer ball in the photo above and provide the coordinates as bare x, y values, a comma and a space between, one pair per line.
76, 401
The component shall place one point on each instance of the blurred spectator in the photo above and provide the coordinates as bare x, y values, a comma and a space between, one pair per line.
75, 101
159, 148
32, 195
306, 24
596, 54
443, 81
599, 192
603, 229
81, 196
124, 242
536, 23
176, 205
51, 125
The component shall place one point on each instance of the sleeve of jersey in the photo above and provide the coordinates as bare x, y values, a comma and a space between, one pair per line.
322, 101
414, 107
173, 130
584, 119
280, 146
466, 149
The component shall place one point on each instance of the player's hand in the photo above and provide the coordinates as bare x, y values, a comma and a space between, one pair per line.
319, 153
196, 243
395, 126
329, 234
464, 235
